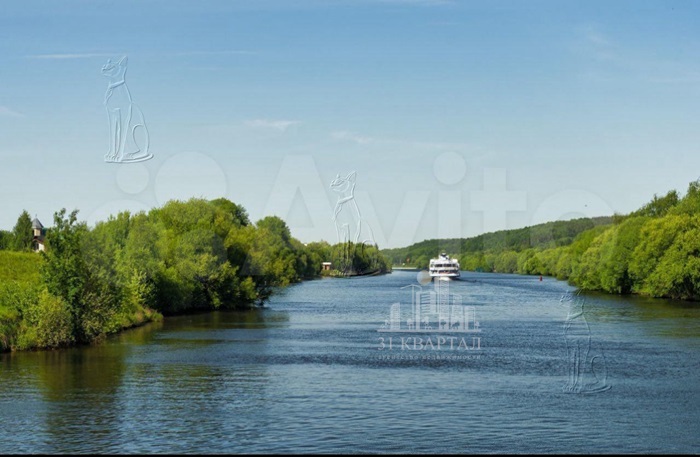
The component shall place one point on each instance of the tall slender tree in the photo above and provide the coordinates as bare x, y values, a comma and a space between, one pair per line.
22, 233
6, 240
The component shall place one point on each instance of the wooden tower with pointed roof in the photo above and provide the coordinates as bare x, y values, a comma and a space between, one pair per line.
38, 242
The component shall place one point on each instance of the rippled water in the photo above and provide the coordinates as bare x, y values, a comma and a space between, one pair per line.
305, 375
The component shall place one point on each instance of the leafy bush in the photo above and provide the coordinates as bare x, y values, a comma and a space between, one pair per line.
46, 323
126, 270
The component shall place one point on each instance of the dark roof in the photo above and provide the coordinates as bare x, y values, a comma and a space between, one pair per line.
36, 224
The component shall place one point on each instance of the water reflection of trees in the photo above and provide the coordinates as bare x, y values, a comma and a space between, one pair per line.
175, 386
200, 381
80, 388
660, 317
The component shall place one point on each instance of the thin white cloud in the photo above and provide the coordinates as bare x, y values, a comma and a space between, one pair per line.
616, 60
596, 37
68, 56
216, 53
281, 125
5, 111
597, 44
343, 135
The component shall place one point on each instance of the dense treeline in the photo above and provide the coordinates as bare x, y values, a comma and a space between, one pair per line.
20, 238
653, 251
541, 236
351, 259
130, 269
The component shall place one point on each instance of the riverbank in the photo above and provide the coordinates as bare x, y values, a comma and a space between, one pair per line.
19, 335
184, 257
292, 376
690, 301
650, 252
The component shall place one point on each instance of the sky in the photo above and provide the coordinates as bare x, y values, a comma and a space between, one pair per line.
457, 117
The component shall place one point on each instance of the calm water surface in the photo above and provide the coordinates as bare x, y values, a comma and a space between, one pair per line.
305, 375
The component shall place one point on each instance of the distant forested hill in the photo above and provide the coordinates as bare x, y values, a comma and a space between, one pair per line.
653, 251
541, 236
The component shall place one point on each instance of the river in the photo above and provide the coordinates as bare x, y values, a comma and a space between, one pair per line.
311, 373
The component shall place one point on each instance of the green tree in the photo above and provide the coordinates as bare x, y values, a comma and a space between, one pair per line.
690, 204
46, 323
139, 266
318, 252
238, 214
677, 274
421, 262
548, 259
185, 255
506, 262
586, 273
616, 253
64, 271
564, 263
658, 206
22, 233
656, 236
6, 240
524, 261
271, 257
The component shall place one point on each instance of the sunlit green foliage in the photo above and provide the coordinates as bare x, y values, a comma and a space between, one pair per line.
22, 234
47, 322
19, 288
652, 251
665, 263
650, 255
678, 272
351, 259
690, 204
6, 240
542, 236
19, 266
658, 206
14, 297
506, 262
131, 268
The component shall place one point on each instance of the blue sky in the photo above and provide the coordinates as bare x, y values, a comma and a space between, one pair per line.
458, 116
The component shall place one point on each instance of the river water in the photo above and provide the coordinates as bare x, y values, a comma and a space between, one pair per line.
308, 373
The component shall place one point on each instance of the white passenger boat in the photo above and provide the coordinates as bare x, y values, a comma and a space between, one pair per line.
444, 267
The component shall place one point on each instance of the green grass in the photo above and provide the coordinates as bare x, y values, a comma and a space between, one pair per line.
19, 272
19, 266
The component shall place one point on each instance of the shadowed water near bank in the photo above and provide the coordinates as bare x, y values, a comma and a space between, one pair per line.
305, 374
